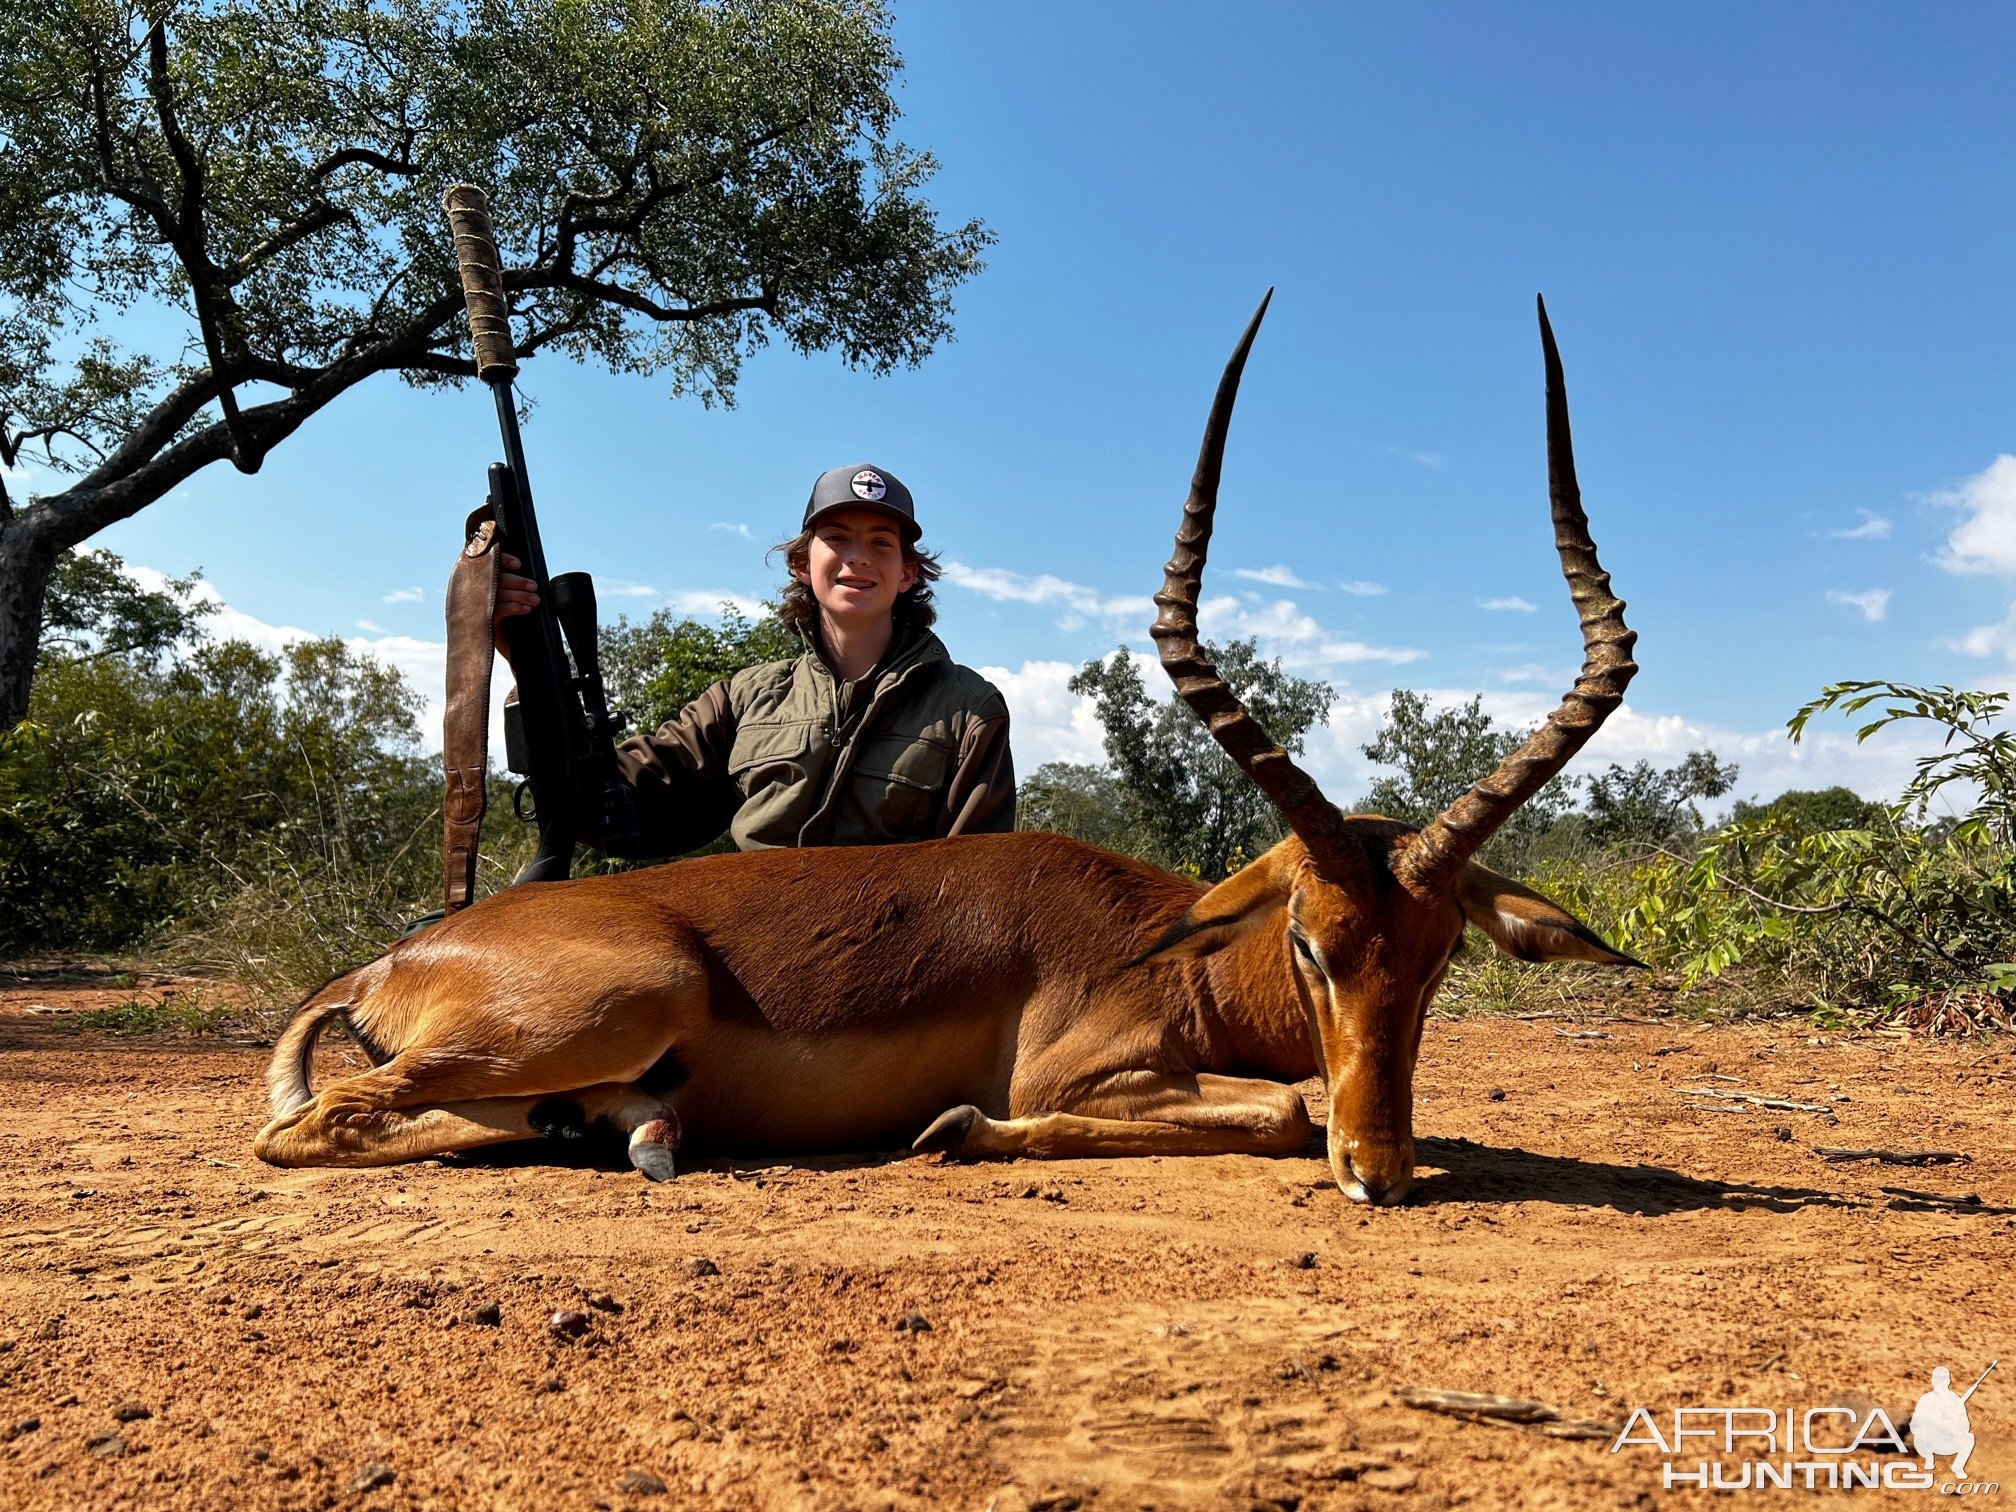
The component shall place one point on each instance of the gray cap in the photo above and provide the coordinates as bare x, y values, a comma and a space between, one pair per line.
862, 486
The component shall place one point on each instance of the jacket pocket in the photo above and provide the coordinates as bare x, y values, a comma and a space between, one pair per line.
770, 755
897, 783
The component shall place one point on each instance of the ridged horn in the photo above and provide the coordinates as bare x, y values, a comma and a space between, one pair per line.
1286, 785
1455, 834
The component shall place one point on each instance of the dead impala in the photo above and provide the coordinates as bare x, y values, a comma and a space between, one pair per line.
1016, 994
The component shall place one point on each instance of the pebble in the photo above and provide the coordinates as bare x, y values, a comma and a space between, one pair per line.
1497, 1094
1306, 1260
603, 1302
489, 1315
568, 1323
371, 1477
913, 1322
551, 1384
22, 1425
700, 1265
106, 1445
640, 1483
131, 1412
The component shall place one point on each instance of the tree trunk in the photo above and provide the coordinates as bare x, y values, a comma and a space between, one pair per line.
27, 556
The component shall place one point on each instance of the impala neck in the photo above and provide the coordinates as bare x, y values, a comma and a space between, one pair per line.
1253, 1009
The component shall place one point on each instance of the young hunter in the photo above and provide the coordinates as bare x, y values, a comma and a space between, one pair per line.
873, 735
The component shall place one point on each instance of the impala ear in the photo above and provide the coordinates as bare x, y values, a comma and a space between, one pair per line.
1226, 912
1527, 926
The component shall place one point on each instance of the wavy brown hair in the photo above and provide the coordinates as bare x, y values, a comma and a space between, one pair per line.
799, 610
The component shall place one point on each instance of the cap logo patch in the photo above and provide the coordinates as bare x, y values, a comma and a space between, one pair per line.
868, 484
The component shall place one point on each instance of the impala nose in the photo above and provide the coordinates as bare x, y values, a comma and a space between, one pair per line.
1373, 1186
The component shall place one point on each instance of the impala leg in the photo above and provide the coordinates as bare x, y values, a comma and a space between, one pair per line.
407, 1109
1139, 1113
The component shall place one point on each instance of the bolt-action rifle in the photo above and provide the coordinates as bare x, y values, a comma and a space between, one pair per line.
559, 733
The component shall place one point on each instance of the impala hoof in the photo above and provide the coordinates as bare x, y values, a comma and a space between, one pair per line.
949, 1130
651, 1147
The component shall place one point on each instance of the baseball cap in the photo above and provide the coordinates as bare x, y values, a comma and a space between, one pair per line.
862, 486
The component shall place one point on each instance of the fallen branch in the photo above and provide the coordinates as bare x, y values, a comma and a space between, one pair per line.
1779, 1104
1506, 1412
1894, 1157
1966, 1202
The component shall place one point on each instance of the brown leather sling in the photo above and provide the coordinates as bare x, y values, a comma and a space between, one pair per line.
465, 729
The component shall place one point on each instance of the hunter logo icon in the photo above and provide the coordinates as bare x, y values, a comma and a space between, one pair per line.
868, 485
1939, 1423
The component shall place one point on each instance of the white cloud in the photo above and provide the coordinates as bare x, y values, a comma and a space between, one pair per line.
1513, 602
1276, 577
1360, 588
1282, 629
618, 588
1537, 672
1048, 721
734, 529
1990, 640
405, 596
1424, 458
1985, 541
1874, 604
1045, 590
372, 629
1873, 528
705, 603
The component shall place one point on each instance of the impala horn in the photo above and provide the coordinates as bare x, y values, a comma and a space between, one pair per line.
1454, 835
1287, 786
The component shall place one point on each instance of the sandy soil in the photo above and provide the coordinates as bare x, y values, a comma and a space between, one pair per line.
185, 1327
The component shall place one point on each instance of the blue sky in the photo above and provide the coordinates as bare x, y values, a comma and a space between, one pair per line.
1775, 243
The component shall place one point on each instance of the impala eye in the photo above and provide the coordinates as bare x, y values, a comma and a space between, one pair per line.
1304, 949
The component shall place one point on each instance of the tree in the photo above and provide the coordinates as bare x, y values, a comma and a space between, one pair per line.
1641, 802
95, 609
655, 669
1814, 811
674, 181
1191, 806
1439, 755
1086, 802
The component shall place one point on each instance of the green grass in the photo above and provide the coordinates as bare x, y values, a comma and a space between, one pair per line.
190, 1015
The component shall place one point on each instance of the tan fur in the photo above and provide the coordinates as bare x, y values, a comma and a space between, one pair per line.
843, 997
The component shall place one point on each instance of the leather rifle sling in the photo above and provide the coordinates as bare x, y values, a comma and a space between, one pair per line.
465, 730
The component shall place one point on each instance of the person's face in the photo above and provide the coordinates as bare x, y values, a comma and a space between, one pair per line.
855, 566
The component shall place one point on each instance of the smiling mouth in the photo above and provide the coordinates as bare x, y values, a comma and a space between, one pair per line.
857, 583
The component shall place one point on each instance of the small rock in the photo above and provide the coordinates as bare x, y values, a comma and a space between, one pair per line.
371, 1477
640, 1483
840, 1346
106, 1445
1389, 1478
603, 1302
254, 1311
131, 1412
22, 1425
568, 1324
68, 1399
1783, 1133
700, 1265
1306, 1260
913, 1322
1497, 1094
550, 1385
489, 1315
53, 1329
1054, 1194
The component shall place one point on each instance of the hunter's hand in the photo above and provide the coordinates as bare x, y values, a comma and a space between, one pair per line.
515, 595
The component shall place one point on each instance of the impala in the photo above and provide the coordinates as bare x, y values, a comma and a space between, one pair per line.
1016, 994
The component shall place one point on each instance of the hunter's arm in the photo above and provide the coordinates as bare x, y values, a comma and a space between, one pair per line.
685, 797
980, 799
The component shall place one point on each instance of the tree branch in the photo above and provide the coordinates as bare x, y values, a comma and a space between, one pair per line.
616, 294
319, 217
350, 156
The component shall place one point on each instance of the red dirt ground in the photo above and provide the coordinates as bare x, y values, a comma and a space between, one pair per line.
1223, 1332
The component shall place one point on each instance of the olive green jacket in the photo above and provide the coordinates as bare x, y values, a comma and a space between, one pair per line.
785, 754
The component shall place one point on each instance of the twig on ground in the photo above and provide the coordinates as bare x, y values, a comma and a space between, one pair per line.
1506, 1412
1778, 1104
1893, 1157
1966, 1202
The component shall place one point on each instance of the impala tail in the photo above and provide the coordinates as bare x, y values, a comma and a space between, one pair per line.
287, 1075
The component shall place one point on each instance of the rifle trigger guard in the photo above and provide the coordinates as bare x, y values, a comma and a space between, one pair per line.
520, 797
